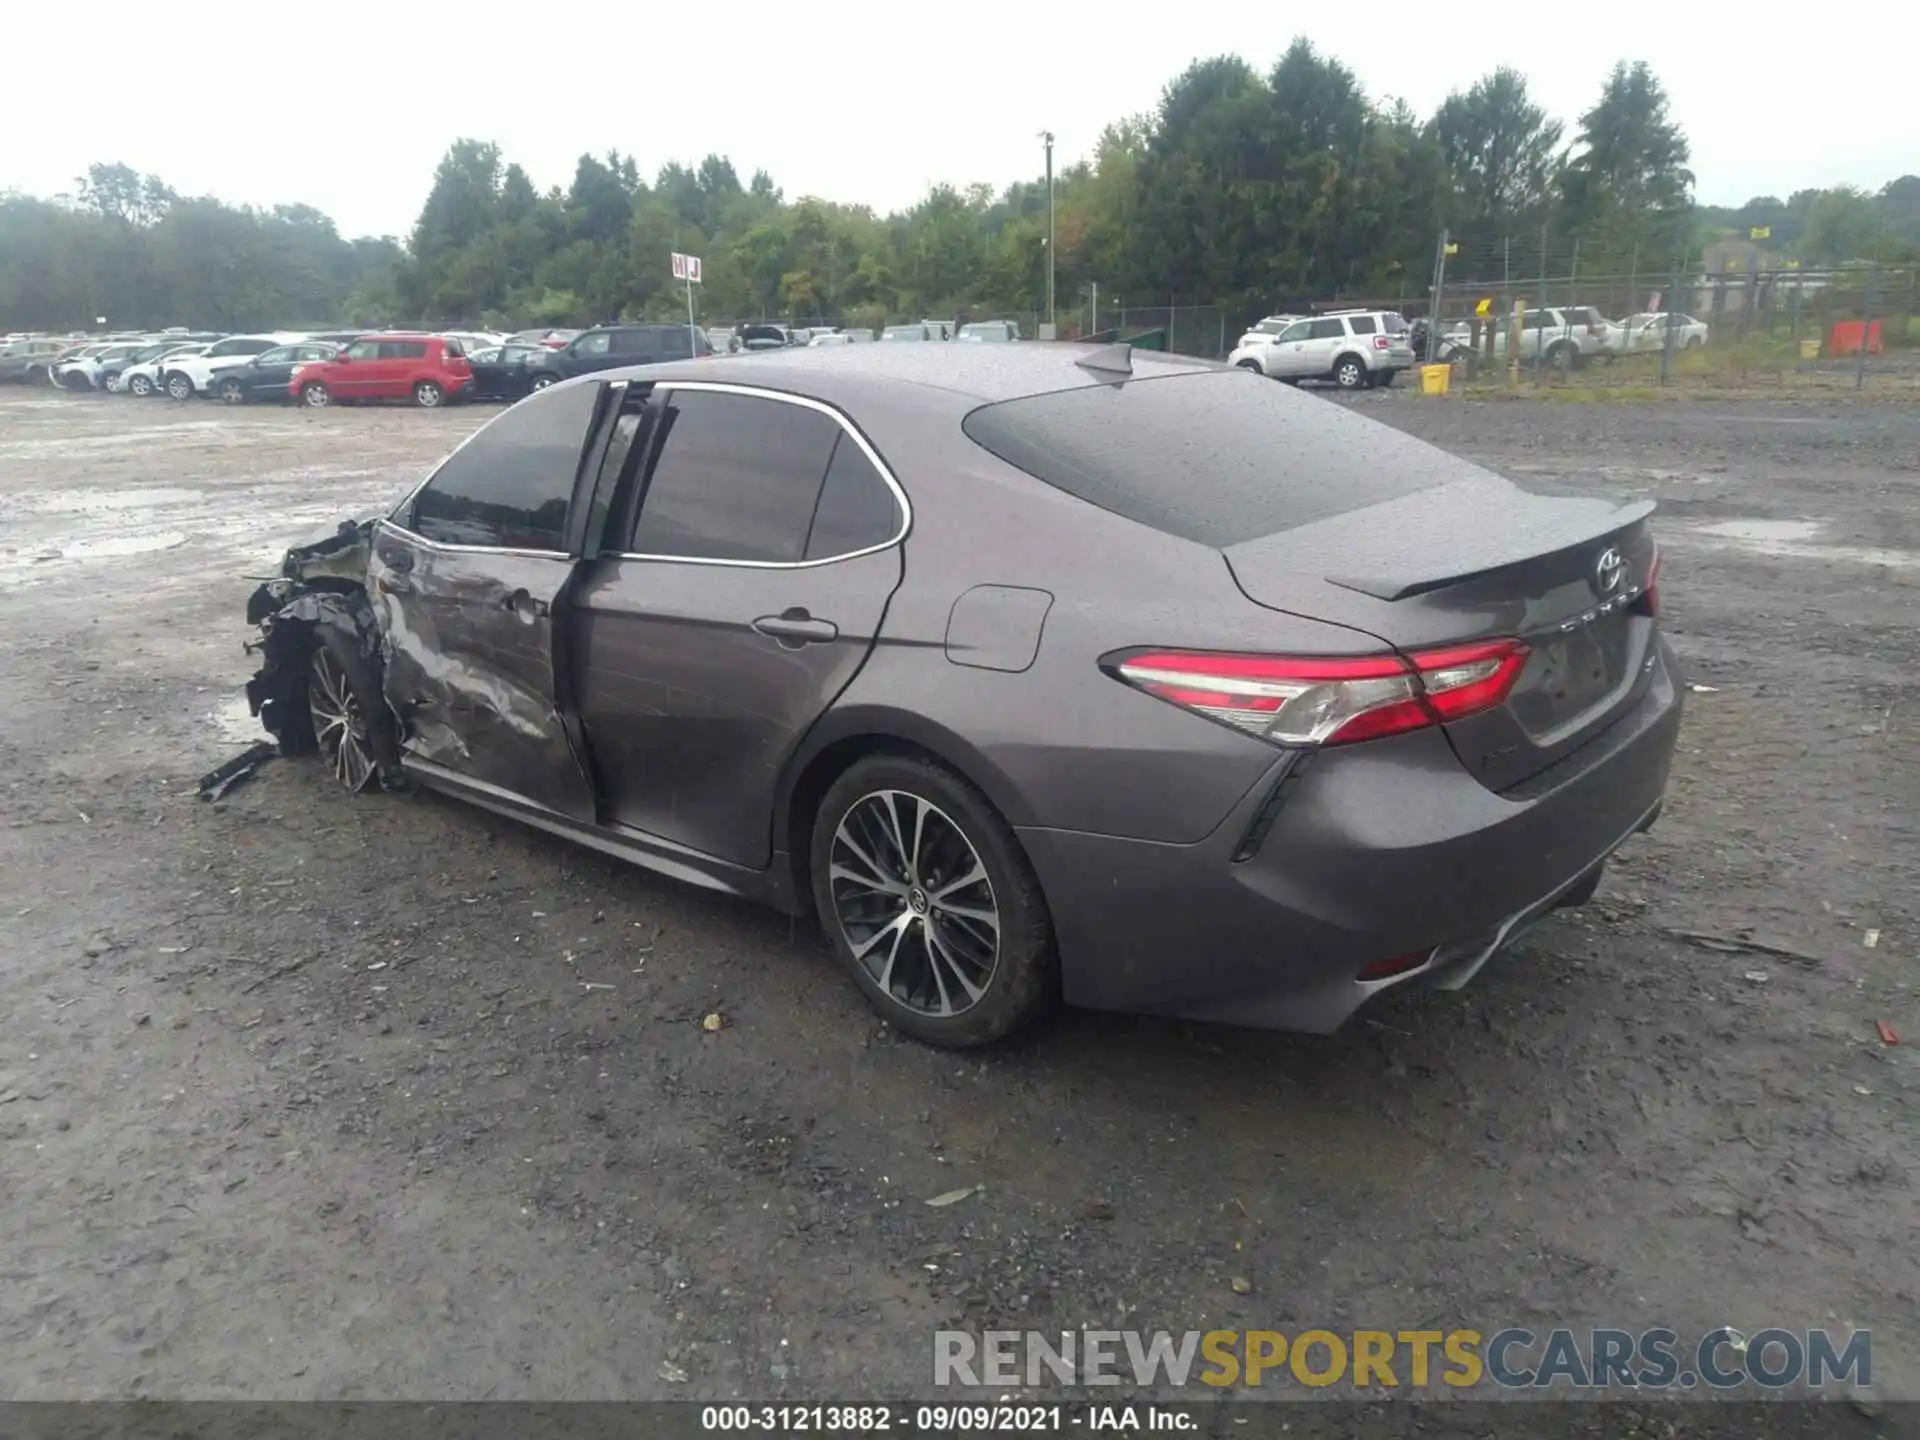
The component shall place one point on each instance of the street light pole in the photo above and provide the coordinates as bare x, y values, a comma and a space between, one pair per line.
1046, 137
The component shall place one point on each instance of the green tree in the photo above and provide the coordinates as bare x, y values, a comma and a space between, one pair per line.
1500, 150
1627, 186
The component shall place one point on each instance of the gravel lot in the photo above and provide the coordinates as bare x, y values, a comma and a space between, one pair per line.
311, 1096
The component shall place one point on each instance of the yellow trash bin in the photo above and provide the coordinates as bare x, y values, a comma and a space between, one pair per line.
1809, 349
1434, 379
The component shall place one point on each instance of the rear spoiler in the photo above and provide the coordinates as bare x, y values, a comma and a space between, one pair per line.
1434, 554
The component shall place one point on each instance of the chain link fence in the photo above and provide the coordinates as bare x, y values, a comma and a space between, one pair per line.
1758, 323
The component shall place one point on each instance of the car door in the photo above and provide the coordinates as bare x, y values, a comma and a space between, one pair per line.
261, 374
391, 376
349, 378
631, 347
589, 352
747, 598
465, 576
1325, 340
1287, 357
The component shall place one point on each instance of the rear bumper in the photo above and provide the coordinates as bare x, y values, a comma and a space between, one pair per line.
1376, 851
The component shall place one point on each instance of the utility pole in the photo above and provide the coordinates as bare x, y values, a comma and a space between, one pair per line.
1672, 335
1433, 311
1046, 137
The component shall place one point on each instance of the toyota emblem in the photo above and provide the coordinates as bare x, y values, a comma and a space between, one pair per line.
1608, 571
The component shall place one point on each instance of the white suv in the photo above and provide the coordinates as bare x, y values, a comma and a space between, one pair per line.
1565, 336
185, 376
1353, 348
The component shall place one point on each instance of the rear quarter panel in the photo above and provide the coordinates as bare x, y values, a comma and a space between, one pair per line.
1060, 744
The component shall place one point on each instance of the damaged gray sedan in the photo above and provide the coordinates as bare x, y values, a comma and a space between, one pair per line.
1033, 672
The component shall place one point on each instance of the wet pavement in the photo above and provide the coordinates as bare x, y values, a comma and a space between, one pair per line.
309, 1095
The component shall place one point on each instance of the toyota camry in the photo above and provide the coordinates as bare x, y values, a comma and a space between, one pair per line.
1033, 672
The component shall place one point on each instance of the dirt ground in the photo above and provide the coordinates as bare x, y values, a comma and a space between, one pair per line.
303, 1095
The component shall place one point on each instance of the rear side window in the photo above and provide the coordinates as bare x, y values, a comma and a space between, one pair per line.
737, 478
510, 485
1216, 458
1394, 324
857, 510
676, 345
1361, 324
403, 349
1324, 330
594, 344
632, 342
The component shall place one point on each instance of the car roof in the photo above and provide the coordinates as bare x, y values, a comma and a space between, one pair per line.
971, 376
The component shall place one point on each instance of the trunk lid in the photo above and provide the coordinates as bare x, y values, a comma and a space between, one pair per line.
1474, 558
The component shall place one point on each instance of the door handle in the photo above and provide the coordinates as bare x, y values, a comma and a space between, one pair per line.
523, 604
795, 627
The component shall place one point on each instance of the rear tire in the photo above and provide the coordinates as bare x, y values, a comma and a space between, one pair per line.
539, 382
232, 392
1562, 356
1349, 373
951, 960
315, 396
428, 395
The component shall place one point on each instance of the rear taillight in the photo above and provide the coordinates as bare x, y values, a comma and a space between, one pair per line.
1380, 342
1298, 701
1650, 592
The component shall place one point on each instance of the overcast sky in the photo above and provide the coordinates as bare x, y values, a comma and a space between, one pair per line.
348, 106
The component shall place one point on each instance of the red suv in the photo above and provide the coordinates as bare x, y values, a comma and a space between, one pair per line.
428, 369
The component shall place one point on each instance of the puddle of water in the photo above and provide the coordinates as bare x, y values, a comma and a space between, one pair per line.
111, 547
1764, 529
118, 440
1788, 540
233, 721
86, 502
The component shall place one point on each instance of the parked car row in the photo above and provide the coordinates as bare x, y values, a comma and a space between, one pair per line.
321, 368
1568, 336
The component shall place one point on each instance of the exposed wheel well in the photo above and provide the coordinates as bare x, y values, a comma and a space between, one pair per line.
1347, 355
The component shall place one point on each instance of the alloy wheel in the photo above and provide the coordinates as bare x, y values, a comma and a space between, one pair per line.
180, 388
317, 396
338, 725
1349, 375
140, 385
428, 395
913, 898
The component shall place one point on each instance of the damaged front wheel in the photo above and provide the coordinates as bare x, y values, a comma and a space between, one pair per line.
341, 716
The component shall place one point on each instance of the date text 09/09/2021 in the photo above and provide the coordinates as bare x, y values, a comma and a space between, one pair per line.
947, 1419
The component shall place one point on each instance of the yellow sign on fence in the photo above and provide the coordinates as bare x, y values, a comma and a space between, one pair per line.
1760, 232
1483, 306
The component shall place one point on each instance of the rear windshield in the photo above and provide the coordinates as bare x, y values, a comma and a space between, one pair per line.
1214, 457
